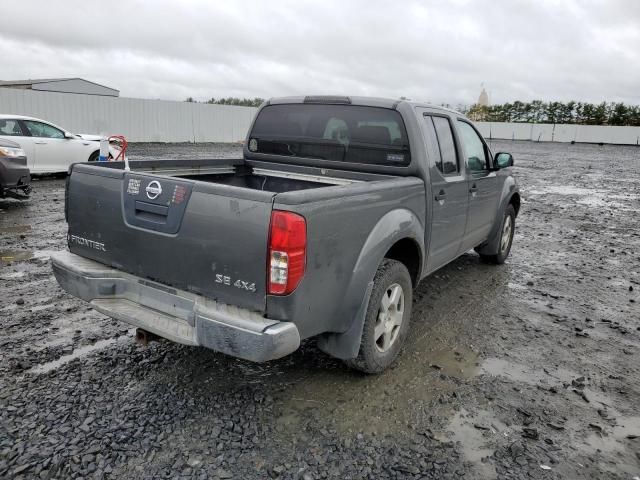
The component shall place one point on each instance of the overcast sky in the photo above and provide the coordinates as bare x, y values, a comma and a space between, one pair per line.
430, 50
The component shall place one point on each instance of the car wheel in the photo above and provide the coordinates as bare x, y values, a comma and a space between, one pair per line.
507, 229
94, 156
387, 319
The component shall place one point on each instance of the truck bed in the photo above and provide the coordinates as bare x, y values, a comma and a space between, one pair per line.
239, 173
197, 225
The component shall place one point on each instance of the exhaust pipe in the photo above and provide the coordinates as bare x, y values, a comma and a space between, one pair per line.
143, 337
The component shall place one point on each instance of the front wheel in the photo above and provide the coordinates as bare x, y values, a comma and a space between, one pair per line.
507, 229
387, 320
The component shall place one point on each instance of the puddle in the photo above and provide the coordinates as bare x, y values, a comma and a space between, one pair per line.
594, 201
40, 308
625, 197
44, 254
590, 197
525, 374
548, 377
460, 363
475, 442
566, 190
7, 256
15, 229
517, 286
13, 275
77, 353
615, 440
384, 403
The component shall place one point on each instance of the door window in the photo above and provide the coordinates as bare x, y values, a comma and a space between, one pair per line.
10, 128
477, 158
448, 162
39, 129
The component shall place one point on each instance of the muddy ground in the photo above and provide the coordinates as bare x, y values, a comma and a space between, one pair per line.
526, 370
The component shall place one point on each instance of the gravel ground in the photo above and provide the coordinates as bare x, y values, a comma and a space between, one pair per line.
526, 370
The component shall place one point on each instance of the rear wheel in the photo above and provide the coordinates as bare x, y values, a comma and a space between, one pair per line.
94, 156
387, 319
507, 229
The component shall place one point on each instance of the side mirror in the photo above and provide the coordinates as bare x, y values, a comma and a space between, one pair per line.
69, 135
503, 160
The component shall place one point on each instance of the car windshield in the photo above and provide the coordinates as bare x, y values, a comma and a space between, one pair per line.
342, 133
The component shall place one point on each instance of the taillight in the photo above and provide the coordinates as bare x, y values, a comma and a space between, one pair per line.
287, 252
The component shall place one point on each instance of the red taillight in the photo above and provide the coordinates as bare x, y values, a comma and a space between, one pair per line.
287, 252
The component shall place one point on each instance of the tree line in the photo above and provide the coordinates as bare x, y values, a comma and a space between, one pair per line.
240, 102
537, 111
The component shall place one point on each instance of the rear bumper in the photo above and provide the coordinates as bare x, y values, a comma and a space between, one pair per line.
174, 314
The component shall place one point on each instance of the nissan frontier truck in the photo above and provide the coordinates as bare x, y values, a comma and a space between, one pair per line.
337, 209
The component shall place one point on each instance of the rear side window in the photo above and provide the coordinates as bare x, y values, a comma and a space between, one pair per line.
341, 133
10, 128
448, 164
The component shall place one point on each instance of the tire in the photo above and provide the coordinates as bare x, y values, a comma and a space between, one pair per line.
507, 229
94, 156
384, 331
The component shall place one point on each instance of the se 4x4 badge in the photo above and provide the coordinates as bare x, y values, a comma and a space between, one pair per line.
225, 280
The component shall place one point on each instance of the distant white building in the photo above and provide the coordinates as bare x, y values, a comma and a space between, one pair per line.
483, 99
62, 85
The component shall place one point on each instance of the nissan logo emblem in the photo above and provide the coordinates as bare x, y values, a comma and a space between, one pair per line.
153, 190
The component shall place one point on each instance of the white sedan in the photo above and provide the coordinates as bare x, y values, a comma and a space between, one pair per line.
49, 148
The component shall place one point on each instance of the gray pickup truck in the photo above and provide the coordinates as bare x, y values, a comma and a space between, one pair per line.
338, 208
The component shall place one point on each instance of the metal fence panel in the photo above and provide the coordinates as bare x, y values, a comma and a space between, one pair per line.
142, 120
541, 132
139, 120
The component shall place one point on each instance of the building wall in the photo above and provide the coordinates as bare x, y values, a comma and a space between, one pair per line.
138, 120
543, 132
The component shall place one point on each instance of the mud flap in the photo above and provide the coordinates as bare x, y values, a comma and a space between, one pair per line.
346, 345
510, 196
492, 245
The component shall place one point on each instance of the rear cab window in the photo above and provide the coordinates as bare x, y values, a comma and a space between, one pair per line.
339, 133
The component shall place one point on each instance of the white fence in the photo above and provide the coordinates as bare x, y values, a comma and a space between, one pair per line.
165, 121
546, 132
137, 119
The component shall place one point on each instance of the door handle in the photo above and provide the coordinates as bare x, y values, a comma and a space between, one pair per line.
473, 188
441, 195
40, 143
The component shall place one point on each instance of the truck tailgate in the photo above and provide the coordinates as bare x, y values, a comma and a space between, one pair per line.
207, 238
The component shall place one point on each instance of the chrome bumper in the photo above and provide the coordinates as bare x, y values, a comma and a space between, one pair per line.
174, 314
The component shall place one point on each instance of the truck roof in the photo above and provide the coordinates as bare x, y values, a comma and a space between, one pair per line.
355, 100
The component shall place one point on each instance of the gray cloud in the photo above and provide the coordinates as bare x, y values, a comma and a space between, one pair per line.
428, 50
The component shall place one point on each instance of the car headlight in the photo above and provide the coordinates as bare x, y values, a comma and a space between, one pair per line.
11, 152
